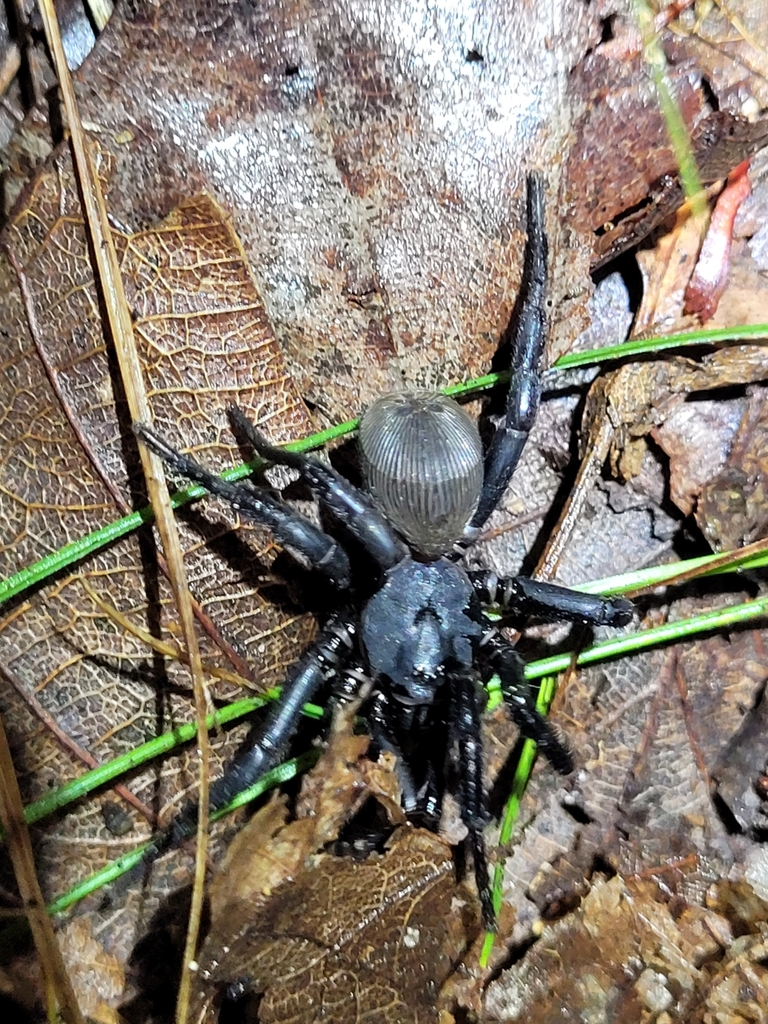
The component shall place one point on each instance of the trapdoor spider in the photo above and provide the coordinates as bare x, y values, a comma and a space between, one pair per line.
417, 630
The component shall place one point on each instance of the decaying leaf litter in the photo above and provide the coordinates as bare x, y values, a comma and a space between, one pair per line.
375, 252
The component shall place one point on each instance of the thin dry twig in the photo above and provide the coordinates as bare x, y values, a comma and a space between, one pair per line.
107, 273
59, 995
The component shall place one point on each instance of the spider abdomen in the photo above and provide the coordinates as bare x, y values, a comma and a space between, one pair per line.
423, 461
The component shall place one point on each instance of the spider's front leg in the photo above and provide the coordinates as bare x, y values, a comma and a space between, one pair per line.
386, 718
322, 660
291, 529
349, 505
379, 717
465, 725
520, 595
528, 333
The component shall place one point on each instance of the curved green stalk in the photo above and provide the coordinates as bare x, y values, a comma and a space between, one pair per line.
655, 576
670, 632
282, 773
159, 746
542, 669
677, 129
70, 554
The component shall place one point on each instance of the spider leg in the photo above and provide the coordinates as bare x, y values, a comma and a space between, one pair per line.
465, 727
523, 596
290, 528
528, 334
499, 656
345, 501
386, 717
378, 715
321, 661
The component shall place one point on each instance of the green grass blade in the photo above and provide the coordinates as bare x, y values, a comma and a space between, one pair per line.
159, 746
645, 639
283, 773
677, 129
660, 575
748, 333
70, 554
686, 629
544, 669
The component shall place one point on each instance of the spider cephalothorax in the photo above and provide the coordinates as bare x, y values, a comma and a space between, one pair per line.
418, 632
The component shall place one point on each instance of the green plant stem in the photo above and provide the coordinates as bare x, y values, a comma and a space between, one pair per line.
283, 773
731, 617
677, 129
163, 744
542, 669
721, 618
70, 554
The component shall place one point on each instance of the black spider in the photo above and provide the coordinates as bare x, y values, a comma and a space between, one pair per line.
416, 629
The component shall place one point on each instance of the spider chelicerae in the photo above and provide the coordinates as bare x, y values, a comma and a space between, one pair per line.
414, 628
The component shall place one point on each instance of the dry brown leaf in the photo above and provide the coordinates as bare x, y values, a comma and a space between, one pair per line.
372, 165
631, 955
206, 341
269, 850
373, 943
98, 978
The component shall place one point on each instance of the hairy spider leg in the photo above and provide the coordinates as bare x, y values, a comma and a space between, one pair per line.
323, 660
528, 333
290, 528
523, 596
465, 727
501, 658
346, 502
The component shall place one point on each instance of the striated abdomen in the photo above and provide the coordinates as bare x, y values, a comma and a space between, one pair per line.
423, 461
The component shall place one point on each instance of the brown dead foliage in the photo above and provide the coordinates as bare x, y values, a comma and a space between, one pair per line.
297, 930
370, 166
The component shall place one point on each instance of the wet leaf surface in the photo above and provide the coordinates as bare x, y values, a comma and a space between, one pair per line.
202, 328
269, 850
383, 249
300, 932
623, 201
